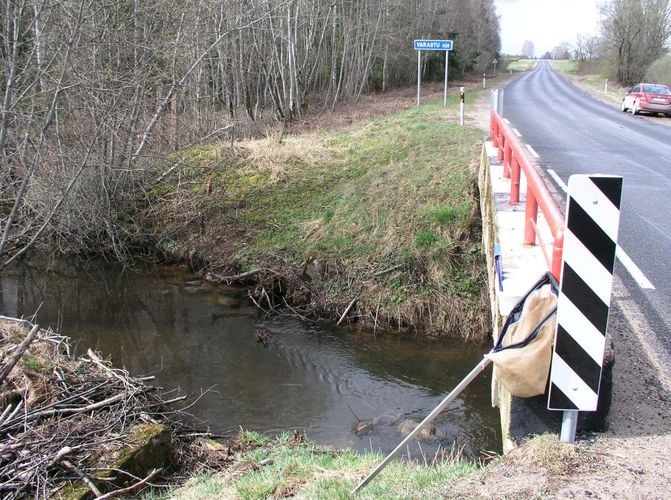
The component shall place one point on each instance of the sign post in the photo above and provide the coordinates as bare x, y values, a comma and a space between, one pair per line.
590, 242
419, 75
442, 45
447, 64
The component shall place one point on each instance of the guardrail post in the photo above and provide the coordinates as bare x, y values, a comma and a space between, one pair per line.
507, 154
557, 253
494, 132
502, 145
530, 218
515, 180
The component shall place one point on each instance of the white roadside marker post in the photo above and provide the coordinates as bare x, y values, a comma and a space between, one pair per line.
462, 100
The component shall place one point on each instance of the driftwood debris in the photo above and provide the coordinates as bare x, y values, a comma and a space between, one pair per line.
30, 338
237, 277
347, 309
63, 421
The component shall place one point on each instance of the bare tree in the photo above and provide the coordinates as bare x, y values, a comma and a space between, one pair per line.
586, 47
96, 95
635, 32
528, 49
562, 51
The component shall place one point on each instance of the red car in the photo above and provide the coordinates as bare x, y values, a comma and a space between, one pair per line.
648, 97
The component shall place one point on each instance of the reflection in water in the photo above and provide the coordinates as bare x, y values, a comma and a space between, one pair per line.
197, 338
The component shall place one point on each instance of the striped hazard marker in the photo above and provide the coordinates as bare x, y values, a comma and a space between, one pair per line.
590, 242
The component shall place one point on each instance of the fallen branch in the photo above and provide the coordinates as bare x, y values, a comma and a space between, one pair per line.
16, 320
218, 131
94, 489
66, 450
237, 277
68, 411
347, 310
19, 352
174, 400
132, 487
176, 166
110, 373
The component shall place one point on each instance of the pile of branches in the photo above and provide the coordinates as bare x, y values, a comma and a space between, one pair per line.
59, 415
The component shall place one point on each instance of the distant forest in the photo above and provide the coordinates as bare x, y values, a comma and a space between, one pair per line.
95, 91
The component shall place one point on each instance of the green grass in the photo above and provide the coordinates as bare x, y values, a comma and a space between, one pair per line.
596, 83
394, 193
522, 65
566, 65
286, 467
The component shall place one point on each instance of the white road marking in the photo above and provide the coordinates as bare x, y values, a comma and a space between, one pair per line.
507, 121
626, 261
533, 153
633, 269
517, 133
562, 185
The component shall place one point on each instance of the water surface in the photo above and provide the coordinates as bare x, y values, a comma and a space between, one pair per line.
201, 339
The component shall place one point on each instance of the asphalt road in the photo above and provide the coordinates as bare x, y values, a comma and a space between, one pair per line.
572, 133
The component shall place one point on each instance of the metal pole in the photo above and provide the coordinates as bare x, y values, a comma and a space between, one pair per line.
419, 73
568, 426
500, 107
447, 61
605, 89
462, 99
436, 411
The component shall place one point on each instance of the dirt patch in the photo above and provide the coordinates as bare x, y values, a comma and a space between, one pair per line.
369, 107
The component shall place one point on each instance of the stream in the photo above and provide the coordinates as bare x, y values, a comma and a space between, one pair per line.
340, 386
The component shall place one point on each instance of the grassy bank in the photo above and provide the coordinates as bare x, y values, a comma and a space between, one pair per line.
522, 65
566, 65
586, 76
288, 466
382, 215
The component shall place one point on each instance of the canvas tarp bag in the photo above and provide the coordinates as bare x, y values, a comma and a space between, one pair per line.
523, 350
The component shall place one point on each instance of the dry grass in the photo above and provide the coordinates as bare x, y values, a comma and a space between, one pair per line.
266, 155
546, 451
384, 213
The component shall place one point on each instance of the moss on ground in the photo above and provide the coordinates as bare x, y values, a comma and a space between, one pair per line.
384, 212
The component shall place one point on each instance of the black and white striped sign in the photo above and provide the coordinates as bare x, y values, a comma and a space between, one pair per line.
590, 241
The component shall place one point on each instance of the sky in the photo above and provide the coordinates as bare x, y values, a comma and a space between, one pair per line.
547, 23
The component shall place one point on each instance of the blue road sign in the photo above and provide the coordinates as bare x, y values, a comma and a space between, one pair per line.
433, 44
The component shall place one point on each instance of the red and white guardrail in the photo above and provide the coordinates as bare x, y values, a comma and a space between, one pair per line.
515, 160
